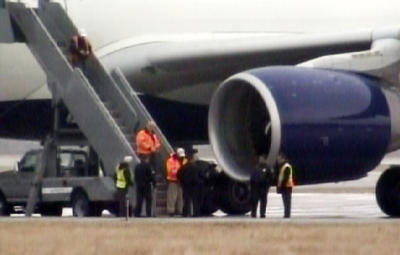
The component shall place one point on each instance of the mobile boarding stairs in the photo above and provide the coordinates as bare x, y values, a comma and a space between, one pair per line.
106, 109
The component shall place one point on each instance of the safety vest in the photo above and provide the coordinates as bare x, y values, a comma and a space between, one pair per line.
121, 181
289, 183
172, 166
146, 142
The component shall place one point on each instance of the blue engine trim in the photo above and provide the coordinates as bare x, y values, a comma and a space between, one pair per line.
334, 125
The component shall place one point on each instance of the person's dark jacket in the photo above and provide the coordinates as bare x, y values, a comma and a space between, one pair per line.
190, 174
144, 175
261, 178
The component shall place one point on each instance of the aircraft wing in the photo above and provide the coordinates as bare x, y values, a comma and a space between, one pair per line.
177, 63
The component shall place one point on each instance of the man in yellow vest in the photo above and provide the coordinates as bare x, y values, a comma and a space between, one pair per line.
123, 180
285, 183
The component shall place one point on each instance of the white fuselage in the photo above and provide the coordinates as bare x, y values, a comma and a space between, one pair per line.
108, 22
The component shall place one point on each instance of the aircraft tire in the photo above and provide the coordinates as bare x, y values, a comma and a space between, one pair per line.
388, 192
80, 204
234, 196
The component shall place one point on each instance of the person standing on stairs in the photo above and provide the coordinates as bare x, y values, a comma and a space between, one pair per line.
80, 49
147, 141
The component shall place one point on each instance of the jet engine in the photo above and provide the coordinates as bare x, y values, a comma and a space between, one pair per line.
331, 125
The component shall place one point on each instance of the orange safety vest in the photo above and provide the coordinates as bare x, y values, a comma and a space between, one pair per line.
147, 142
173, 165
289, 183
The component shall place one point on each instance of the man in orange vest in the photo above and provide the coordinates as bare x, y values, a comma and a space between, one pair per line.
174, 192
147, 142
285, 183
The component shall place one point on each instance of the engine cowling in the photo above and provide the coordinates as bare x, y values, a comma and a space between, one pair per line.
332, 125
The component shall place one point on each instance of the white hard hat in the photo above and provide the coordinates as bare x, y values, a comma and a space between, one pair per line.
180, 152
127, 159
82, 32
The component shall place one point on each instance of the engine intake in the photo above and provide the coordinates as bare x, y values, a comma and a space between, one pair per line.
332, 125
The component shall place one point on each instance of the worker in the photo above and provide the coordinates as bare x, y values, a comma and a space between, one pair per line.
123, 180
147, 142
260, 182
80, 49
285, 183
145, 179
174, 164
191, 179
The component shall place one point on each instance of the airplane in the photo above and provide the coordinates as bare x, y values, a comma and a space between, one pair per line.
314, 80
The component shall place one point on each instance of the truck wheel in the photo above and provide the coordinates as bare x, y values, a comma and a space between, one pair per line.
80, 205
4, 207
51, 210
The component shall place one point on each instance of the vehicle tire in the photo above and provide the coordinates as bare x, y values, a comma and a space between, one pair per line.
4, 207
388, 192
80, 205
234, 196
51, 210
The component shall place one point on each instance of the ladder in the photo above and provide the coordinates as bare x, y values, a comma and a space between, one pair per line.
104, 106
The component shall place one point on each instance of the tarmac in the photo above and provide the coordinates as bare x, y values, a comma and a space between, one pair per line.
305, 207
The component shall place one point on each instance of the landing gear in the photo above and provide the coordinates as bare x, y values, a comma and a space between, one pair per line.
219, 191
234, 196
388, 192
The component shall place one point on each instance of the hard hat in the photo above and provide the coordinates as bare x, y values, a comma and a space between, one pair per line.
82, 32
127, 159
151, 125
180, 152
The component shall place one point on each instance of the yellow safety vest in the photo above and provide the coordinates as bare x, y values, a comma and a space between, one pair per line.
121, 181
289, 183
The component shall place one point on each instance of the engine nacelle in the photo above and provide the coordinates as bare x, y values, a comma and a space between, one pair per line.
332, 125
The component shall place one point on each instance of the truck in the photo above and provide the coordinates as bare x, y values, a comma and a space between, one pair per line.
76, 182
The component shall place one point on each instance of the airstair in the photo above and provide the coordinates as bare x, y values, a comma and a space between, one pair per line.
104, 105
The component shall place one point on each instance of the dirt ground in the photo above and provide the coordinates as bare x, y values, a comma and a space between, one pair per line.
165, 237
